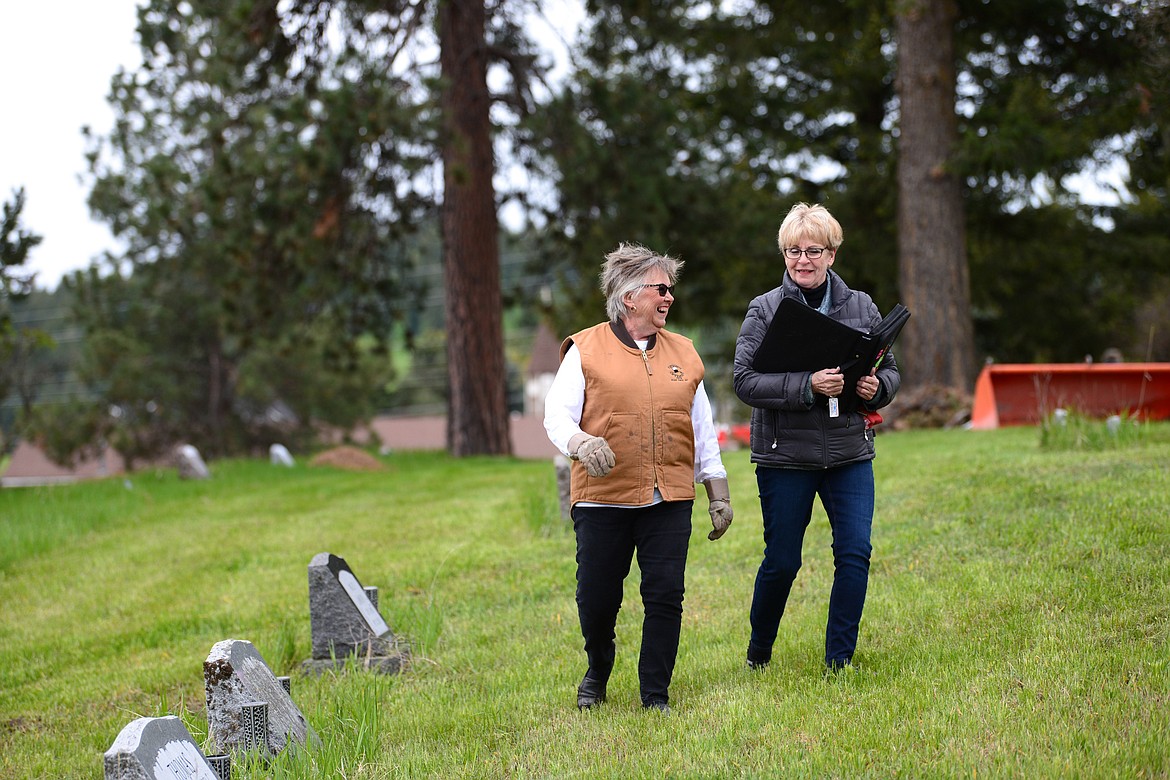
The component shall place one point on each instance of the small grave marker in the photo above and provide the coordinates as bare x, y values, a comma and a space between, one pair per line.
279, 455
345, 621
156, 749
190, 463
564, 476
247, 706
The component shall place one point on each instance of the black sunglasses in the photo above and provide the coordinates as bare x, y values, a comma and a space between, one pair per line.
663, 289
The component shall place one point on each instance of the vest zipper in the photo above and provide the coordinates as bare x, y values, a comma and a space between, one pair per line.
653, 438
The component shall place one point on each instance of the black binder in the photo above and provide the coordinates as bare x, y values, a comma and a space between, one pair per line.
800, 338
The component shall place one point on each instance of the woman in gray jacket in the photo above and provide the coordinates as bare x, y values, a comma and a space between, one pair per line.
804, 444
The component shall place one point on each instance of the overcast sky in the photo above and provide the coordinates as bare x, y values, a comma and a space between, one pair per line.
57, 60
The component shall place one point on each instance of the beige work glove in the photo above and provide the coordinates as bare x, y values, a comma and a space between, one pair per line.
719, 496
593, 452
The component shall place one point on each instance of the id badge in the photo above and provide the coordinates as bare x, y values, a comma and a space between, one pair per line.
834, 408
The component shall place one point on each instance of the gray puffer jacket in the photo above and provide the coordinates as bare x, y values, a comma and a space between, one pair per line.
791, 428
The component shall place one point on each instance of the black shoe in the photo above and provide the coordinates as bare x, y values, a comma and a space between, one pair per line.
657, 704
758, 660
590, 693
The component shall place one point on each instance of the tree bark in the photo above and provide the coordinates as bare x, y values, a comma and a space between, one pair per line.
938, 345
477, 410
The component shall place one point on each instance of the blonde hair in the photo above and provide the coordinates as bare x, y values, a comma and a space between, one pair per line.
624, 270
812, 222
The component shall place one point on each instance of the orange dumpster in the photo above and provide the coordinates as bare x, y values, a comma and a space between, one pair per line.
1027, 393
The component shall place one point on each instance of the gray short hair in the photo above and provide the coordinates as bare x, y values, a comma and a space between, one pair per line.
624, 270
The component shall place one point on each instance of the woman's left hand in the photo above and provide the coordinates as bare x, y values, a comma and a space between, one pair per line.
867, 387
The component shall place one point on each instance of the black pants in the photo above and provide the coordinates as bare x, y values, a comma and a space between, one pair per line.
607, 539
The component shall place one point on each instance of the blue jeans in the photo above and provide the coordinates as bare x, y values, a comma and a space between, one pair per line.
786, 499
607, 539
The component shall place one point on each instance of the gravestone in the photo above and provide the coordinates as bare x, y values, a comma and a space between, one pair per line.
279, 455
237, 680
156, 749
563, 469
190, 463
345, 622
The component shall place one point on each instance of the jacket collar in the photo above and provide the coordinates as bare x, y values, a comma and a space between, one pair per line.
619, 329
838, 291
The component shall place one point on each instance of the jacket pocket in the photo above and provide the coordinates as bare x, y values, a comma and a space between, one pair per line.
623, 433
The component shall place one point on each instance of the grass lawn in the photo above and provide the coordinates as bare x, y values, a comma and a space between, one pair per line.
1017, 624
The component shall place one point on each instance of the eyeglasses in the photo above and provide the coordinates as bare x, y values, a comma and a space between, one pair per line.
663, 289
813, 252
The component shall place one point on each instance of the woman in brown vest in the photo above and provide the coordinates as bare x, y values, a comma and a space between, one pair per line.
629, 409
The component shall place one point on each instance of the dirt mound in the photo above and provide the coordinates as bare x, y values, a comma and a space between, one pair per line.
349, 458
928, 406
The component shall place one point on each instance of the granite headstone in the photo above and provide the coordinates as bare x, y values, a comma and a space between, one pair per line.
156, 749
236, 678
345, 621
190, 463
564, 482
279, 455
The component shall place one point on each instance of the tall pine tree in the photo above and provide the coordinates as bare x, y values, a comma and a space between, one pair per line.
693, 127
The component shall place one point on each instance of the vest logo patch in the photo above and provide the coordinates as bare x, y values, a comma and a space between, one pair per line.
676, 374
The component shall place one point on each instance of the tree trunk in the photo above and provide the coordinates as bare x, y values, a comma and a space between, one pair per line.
215, 399
938, 346
477, 409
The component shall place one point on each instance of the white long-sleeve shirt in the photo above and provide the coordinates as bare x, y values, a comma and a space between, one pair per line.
566, 399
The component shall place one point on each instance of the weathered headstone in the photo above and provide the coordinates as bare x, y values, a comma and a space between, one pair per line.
190, 463
279, 455
156, 749
236, 679
563, 469
345, 622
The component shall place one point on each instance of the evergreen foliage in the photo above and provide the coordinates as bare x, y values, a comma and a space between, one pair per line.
268, 168
15, 244
692, 128
17, 344
257, 177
